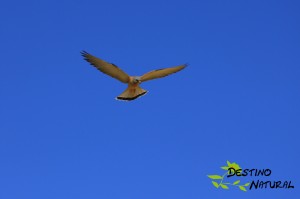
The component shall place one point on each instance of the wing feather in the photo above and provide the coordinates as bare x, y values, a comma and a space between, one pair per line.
105, 67
161, 72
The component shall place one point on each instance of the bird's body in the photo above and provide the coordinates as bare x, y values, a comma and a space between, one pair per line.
133, 90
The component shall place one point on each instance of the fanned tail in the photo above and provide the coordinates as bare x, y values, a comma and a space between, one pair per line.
131, 93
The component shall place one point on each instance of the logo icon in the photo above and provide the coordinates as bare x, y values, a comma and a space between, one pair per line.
221, 180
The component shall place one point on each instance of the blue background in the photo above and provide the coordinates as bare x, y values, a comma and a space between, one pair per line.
63, 135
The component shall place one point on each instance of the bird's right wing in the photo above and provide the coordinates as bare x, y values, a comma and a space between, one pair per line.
105, 67
161, 72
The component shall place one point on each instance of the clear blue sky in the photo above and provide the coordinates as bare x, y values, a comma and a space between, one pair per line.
63, 135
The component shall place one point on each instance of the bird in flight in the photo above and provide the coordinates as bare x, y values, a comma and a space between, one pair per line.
133, 90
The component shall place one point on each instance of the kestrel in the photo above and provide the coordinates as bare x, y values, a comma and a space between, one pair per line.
133, 90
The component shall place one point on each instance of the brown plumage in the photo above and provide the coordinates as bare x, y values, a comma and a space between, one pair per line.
133, 90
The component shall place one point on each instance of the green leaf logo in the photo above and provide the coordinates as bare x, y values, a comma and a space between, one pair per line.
218, 180
215, 177
215, 184
224, 186
242, 188
236, 182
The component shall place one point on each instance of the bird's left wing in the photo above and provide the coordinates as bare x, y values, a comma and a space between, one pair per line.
107, 68
161, 72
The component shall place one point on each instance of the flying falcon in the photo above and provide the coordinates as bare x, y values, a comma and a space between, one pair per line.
133, 90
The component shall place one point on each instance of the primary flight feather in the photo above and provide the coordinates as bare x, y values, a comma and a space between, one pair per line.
133, 90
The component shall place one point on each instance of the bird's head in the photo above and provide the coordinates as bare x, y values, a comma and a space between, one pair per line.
136, 80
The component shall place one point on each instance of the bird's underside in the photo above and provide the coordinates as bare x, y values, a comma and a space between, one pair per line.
133, 90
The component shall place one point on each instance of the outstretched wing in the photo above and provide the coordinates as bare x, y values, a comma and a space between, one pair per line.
161, 72
105, 67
